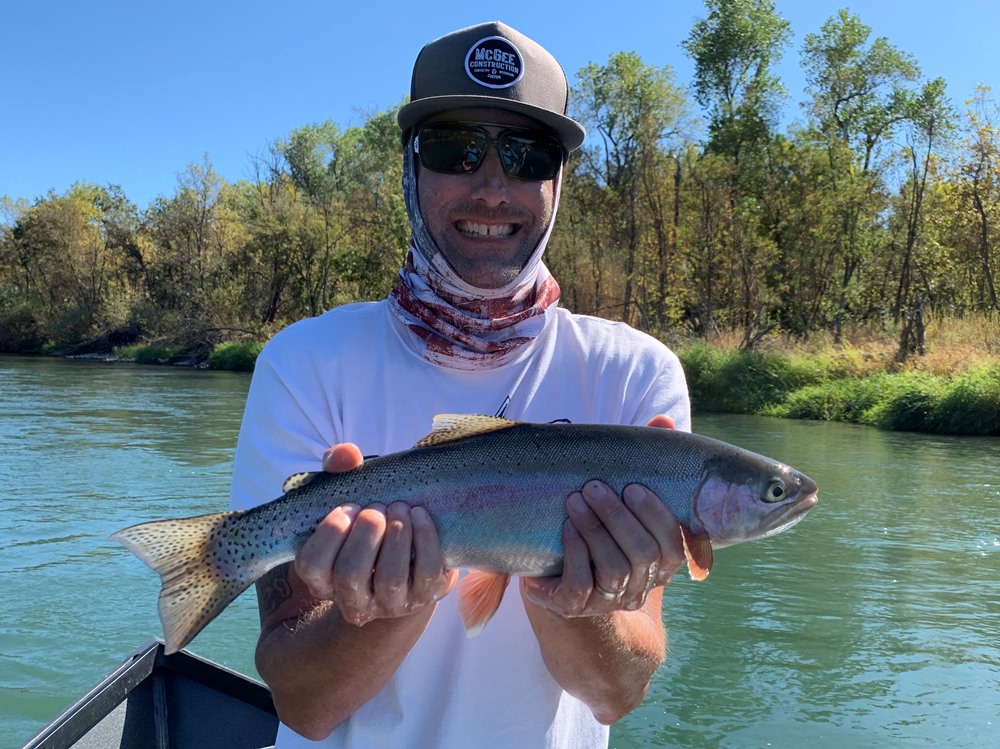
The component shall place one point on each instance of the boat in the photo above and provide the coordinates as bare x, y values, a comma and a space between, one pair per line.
158, 701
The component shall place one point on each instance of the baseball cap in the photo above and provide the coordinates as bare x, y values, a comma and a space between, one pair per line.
491, 65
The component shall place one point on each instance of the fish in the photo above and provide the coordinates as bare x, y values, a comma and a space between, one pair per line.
496, 491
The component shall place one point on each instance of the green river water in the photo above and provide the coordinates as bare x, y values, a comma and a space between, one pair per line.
873, 623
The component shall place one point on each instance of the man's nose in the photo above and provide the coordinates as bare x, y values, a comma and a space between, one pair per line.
489, 183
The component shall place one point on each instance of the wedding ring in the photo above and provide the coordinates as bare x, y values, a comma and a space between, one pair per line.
607, 595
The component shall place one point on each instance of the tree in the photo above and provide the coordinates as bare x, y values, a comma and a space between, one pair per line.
858, 102
635, 111
929, 120
979, 178
351, 179
734, 50
379, 229
64, 262
192, 239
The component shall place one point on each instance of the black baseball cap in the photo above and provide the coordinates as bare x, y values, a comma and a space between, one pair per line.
491, 65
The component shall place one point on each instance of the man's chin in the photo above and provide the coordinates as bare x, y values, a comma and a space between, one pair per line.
480, 267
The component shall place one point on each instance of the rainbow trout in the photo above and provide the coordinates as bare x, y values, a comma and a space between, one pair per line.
496, 490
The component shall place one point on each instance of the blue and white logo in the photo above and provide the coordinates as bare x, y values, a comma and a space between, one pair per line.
494, 62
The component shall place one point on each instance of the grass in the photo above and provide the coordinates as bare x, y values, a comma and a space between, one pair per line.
954, 388
235, 357
142, 353
232, 356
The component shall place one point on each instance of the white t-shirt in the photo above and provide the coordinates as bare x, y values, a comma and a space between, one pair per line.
354, 375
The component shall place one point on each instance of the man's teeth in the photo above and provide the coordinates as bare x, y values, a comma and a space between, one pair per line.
486, 230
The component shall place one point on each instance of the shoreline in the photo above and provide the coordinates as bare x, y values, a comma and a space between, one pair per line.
782, 385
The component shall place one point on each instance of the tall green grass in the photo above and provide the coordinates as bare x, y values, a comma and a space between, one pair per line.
970, 404
744, 382
146, 353
803, 387
235, 357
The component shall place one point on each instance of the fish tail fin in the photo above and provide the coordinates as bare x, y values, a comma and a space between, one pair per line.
479, 596
193, 590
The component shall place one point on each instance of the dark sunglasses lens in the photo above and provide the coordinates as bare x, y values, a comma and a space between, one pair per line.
532, 157
451, 151
524, 155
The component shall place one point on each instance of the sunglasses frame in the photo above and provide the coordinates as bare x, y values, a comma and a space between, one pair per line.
479, 130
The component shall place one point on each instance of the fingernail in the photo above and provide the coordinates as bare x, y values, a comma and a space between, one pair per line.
598, 490
577, 505
397, 511
634, 493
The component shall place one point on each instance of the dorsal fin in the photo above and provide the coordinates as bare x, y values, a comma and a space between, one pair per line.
298, 480
451, 427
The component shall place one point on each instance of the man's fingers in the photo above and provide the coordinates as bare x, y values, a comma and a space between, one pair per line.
662, 421
392, 570
658, 521
353, 586
611, 567
430, 581
343, 457
566, 594
314, 561
636, 548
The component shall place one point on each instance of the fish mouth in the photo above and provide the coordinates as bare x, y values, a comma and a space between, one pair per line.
785, 517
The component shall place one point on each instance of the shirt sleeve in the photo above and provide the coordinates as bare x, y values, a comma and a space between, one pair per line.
280, 435
666, 393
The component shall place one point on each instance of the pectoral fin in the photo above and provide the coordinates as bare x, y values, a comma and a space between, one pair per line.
698, 550
479, 597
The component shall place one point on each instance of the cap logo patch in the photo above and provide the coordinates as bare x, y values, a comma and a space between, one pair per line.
494, 62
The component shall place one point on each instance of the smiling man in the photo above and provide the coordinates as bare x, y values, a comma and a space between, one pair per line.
487, 226
361, 641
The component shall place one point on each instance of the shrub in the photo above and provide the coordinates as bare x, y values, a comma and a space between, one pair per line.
839, 400
907, 403
970, 404
744, 381
148, 353
20, 330
701, 363
235, 357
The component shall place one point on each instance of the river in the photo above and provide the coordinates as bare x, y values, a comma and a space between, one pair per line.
874, 623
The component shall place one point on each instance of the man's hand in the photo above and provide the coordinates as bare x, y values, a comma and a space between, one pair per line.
376, 562
617, 549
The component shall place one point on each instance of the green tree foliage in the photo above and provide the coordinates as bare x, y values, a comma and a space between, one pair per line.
858, 102
971, 222
734, 50
633, 113
870, 211
67, 262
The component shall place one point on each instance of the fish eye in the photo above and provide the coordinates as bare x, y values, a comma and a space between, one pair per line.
775, 491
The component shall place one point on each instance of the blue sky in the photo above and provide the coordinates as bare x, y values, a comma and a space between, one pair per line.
130, 93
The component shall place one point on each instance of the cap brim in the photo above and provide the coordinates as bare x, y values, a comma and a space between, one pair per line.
569, 131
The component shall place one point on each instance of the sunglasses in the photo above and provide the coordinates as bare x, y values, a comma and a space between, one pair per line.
460, 148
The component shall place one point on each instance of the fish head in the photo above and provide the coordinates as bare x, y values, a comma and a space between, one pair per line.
748, 496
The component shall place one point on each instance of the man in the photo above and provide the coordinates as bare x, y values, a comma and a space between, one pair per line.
361, 642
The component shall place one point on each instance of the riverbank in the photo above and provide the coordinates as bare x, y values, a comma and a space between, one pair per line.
843, 388
953, 388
